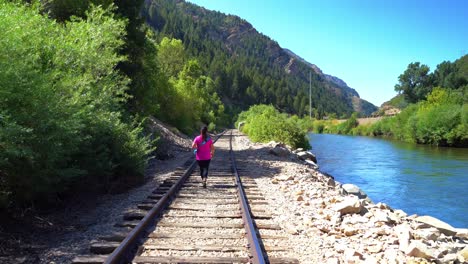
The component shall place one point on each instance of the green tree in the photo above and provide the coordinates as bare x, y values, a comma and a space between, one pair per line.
414, 83
171, 56
61, 105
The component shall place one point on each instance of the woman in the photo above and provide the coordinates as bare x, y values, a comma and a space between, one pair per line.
204, 150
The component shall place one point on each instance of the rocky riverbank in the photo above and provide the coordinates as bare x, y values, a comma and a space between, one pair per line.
329, 222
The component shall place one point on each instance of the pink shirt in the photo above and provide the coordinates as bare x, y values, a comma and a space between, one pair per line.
203, 150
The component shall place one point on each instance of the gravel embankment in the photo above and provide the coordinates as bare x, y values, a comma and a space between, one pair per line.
327, 224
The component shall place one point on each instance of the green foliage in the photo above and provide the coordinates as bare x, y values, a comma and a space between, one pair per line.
197, 102
244, 69
264, 123
171, 56
63, 9
61, 104
398, 102
414, 83
440, 120
348, 125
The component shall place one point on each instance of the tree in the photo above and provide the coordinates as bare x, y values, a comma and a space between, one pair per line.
171, 56
444, 75
414, 83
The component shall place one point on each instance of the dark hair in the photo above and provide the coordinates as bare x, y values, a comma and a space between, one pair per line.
204, 132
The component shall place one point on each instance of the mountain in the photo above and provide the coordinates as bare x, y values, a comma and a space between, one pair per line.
249, 67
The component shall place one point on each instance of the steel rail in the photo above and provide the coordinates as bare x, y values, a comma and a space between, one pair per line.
125, 252
256, 252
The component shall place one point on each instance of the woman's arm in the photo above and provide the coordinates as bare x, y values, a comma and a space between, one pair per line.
212, 150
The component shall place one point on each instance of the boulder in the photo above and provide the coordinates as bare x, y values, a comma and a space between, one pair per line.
462, 232
312, 164
463, 255
382, 206
298, 150
330, 182
353, 189
350, 231
375, 248
427, 234
381, 216
443, 227
419, 250
285, 177
280, 151
400, 213
403, 232
449, 258
350, 205
307, 155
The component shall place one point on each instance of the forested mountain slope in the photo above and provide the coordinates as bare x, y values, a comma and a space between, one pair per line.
247, 66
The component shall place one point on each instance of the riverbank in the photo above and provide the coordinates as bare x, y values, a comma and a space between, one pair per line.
418, 179
329, 225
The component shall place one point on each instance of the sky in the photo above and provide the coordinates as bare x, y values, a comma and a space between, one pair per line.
366, 43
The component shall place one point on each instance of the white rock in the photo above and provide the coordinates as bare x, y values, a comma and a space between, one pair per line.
427, 234
381, 216
350, 205
340, 248
333, 261
375, 248
463, 255
371, 260
350, 231
403, 232
400, 213
382, 206
353, 189
352, 255
462, 232
442, 226
285, 177
280, 151
311, 163
449, 258
307, 155
391, 255
419, 250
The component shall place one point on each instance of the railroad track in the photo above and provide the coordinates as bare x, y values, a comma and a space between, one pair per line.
182, 222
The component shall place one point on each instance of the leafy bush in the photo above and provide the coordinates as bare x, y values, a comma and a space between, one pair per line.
60, 105
264, 123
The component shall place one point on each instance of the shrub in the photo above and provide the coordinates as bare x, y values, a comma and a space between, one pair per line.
264, 123
61, 104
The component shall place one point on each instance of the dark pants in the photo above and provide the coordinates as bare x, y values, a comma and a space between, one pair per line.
204, 165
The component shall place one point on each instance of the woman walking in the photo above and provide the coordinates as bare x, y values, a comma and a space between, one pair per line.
204, 151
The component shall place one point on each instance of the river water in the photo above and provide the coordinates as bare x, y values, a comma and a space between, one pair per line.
418, 179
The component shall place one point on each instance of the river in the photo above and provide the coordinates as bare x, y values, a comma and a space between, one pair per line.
418, 179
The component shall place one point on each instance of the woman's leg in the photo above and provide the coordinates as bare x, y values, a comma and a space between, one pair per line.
206, 166
201, 166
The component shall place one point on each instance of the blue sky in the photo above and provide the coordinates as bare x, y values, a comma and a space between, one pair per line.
366, 43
